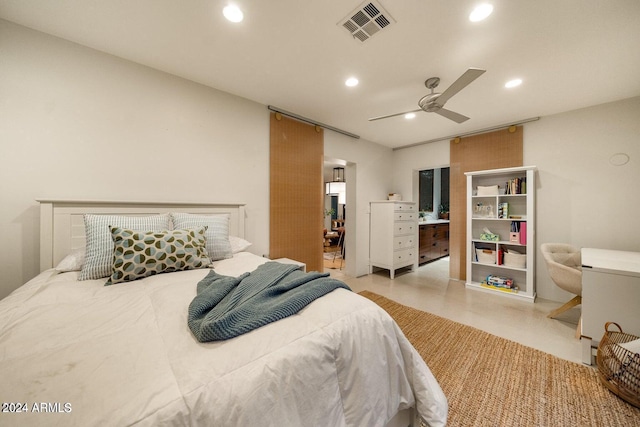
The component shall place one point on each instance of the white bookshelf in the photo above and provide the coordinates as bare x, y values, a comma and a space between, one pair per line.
483, 212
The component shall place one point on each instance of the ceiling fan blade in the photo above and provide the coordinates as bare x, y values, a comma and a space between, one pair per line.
470, 75
452, 115
394, 115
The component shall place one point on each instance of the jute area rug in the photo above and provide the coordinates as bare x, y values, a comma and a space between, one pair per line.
491, 381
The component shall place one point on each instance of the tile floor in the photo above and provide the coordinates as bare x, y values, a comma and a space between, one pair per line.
430, 289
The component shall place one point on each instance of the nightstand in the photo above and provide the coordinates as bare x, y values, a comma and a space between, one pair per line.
301, 266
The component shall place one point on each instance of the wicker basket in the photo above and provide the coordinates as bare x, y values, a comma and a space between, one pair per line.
619, 368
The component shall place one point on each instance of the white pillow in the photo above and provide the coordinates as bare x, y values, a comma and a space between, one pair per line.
99, 245
217, 234
238, 244
72, 262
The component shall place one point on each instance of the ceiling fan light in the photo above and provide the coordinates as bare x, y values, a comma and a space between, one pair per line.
410, 116
513, 83
233, 13
481, 12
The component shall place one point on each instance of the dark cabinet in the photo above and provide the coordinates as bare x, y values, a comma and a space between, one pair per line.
434, 242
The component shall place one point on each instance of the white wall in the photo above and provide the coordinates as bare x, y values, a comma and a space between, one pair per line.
407, 162
76, 123
581, 198
79, 124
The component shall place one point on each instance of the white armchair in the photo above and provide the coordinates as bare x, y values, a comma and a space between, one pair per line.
565, 268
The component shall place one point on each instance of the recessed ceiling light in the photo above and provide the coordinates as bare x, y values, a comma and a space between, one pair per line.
410, 115
481, 12
513, 83
233, 13
351, 81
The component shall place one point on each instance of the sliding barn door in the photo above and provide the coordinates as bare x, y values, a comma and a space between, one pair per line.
296, 191
494, 150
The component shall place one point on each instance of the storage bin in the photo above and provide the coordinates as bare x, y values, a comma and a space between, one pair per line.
515, 260
488, 190
619, 368
486, 256
483, 211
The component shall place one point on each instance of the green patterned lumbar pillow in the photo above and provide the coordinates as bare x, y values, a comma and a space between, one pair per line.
139, 254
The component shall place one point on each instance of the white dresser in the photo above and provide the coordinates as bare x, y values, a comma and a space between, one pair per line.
393, 235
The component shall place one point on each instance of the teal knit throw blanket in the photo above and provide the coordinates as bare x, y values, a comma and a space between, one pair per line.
226, 307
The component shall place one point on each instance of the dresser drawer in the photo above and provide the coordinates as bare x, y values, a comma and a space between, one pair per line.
404, 216
404, 242
404, 255
401, 228
428, 230
441, 234
404, 207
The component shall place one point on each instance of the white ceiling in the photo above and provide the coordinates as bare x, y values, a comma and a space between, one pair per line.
293, 54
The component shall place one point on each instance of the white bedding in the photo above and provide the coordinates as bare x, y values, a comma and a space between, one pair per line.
123, 355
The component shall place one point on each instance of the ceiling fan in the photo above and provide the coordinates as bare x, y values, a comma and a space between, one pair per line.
434, 102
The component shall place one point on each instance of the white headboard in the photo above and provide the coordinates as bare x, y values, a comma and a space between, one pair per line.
62, 223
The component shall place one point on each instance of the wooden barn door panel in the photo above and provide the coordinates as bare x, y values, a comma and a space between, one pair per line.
296, 185
494, 150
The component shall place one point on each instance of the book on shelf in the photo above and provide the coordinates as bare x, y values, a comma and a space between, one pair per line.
516, 186
497, 288
523, 233
503, 210
500, 282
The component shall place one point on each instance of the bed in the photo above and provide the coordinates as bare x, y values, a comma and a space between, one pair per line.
79, 353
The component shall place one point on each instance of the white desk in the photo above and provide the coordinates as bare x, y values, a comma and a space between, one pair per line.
610, 293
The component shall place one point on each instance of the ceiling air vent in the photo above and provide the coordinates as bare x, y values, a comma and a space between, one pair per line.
366, 20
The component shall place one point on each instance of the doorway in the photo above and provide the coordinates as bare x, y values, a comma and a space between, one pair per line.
433, 208
335, 215
433, 193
